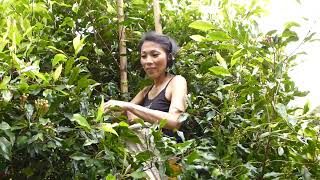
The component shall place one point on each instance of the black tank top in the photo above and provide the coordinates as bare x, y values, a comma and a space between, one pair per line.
161, 103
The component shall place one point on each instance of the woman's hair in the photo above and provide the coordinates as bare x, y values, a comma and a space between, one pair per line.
167, 43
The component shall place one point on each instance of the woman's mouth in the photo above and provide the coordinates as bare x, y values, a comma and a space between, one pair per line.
150, 68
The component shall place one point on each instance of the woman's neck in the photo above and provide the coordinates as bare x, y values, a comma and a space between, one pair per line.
159, 81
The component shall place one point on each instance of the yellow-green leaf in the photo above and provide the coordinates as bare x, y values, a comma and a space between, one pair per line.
4, 82
77, 44
110, 177
221, 60
306, 107
54, 48
218, 36
107, 127
201, 25
197, 38
57, 73
80, 120
219, 70
6, 95
57, 58
235, 57
100, 110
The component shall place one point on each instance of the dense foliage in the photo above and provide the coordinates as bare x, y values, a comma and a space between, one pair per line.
59, 63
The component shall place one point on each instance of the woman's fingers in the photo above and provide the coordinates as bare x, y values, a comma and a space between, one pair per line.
107, 106
113, 105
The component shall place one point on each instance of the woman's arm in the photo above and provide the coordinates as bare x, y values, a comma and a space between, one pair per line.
138, 99
177, 106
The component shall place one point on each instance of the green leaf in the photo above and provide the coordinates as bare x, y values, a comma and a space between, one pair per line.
41, 76
100, 110
306, 107
235, 57
88, 142
57, 73
107, 127
80, 120
75, 7
183, 117
263, 135
82, 58
309, 37
74, 75
27, 32
5, 148
29, 111
272, 174
79, 156
282, 111
216, 172
218, 70
201, 25
68, 66
99, 52
292, 121
11, 136
4, 126
123, 124
144, 156
138, 174
57, 58
182, 147
140, 2
192, 156
163, 122
7, 95
218, 36
68, 21
78, 44
4, 82
222, 62
271, 32
197, 38
56, 49
36, 137
110, 177
291, 24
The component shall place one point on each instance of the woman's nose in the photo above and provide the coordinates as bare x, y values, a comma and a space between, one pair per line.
149, 60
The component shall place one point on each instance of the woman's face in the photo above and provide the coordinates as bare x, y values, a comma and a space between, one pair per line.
153, 59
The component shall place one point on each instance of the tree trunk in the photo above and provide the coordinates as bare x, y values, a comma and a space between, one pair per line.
122, 49
157, 13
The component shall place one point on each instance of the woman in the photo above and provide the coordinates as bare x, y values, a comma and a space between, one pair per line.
166, 98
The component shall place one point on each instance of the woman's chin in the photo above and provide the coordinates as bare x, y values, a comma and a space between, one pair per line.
152, 75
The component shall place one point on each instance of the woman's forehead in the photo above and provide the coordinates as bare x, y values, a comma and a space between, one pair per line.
151, 46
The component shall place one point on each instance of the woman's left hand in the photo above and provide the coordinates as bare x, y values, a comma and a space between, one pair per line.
114, 103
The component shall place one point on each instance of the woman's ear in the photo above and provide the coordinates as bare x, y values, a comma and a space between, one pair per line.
170, 60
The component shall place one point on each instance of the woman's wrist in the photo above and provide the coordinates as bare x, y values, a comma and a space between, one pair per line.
128, 106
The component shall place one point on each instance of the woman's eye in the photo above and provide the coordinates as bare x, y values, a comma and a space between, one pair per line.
155, 55
143, 56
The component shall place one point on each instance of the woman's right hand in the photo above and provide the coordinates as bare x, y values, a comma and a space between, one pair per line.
131, 117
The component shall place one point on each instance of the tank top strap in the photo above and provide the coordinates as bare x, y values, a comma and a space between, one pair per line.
168, 82
146, 95
163, 90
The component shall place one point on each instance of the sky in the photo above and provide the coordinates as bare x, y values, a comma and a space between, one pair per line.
306, 75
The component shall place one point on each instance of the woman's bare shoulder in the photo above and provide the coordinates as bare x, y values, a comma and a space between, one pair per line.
145, 90
141, 94
179, 79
